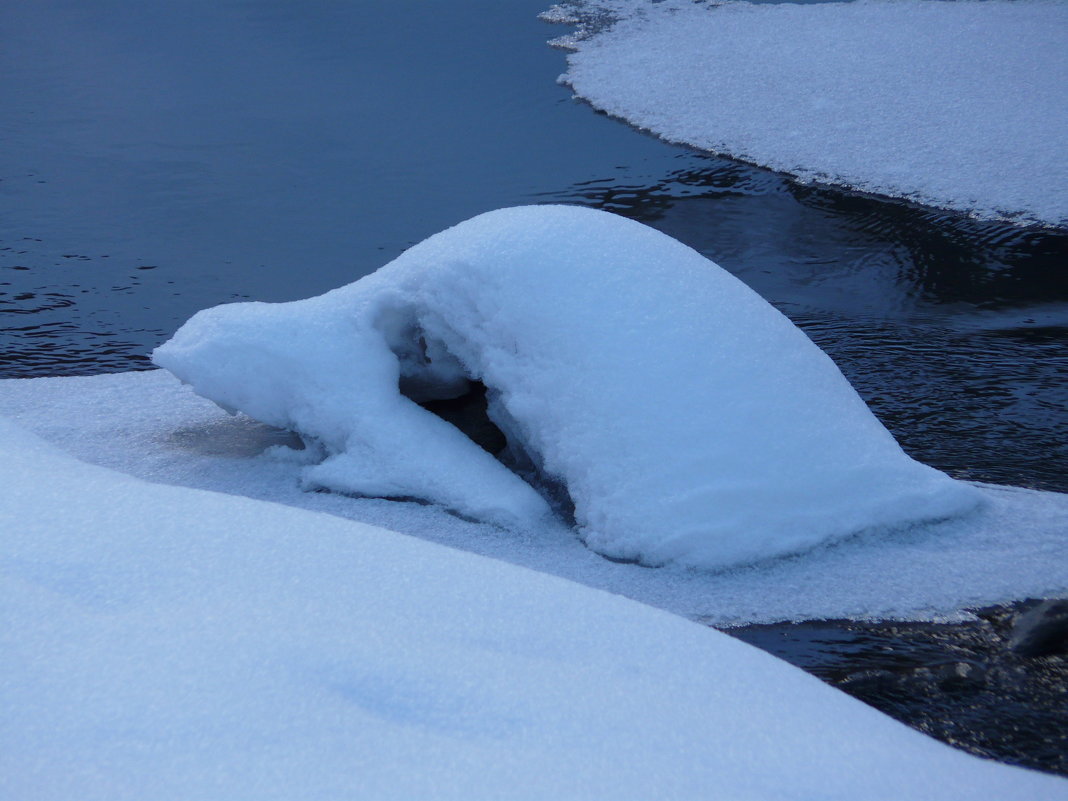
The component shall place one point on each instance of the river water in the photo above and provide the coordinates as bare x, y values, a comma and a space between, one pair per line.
160, 158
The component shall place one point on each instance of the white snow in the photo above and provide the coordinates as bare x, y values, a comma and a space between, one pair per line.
148, 425
956, 104
689, 420
169, 643
1012, 545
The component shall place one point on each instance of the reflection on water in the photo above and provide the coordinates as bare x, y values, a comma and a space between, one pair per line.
263, 149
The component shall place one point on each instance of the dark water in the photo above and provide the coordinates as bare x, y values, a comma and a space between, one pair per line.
258, 149
961, 683
162, 157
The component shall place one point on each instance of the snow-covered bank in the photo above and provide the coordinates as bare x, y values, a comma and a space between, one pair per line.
148, 425
160, 642
962, 104
687, 419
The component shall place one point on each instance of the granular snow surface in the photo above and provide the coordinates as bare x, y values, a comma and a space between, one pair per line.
164, 643
265, 641
688, 420
962, 104
564, 318
148, 425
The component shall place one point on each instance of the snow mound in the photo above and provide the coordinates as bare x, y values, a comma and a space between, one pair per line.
687, 420
168, 643
962, 105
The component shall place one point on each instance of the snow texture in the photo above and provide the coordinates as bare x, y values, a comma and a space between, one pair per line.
170, 643
149, 426
689, 421
956, 104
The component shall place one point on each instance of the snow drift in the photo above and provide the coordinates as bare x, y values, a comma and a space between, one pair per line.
167, 643
684, 418
962, 105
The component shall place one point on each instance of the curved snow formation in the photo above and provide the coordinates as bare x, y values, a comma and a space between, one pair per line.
225, 648
962, 105
688, 420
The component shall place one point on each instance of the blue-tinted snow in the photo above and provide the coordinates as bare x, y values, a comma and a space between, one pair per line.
688, 420
168, 643
150, 426
955, 104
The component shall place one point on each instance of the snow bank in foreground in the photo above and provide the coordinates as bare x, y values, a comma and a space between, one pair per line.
170, 643
962, 104
689, 421
148, 425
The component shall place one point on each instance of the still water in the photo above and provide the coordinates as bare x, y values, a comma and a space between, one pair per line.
160, 158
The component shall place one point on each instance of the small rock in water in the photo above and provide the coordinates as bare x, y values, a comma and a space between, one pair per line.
1042, 630
957, 676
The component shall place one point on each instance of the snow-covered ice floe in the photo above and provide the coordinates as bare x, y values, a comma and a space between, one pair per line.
665, 395
956, 104
686, 419
147, 425
169, 643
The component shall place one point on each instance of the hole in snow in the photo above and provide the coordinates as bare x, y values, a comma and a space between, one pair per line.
434, 378
468, 413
